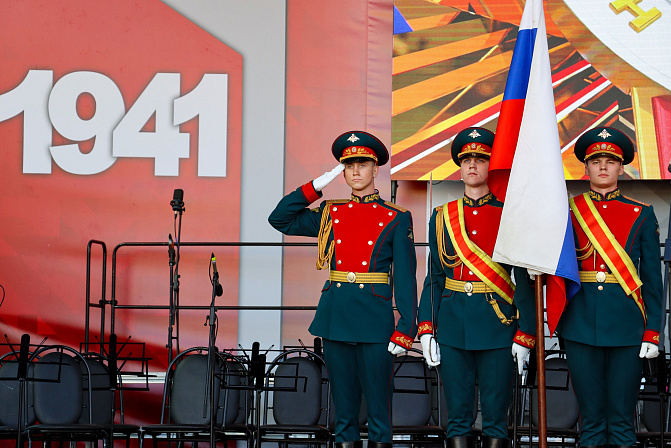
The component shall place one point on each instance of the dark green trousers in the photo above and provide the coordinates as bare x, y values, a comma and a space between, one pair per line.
494, 371
356, 368
606, 381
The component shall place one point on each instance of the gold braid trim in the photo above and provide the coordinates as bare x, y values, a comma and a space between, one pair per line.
324, 255
504, 320
586, 251
445, 259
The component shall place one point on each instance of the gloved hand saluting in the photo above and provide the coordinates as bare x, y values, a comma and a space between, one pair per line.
430, 349
648, 350
326, 178
520, 354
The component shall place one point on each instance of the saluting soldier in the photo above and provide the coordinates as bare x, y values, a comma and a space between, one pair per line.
615, 318
468, 304
358, 239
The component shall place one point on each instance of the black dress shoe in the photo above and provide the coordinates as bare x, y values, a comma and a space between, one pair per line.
494, 442
460, 442
354, 444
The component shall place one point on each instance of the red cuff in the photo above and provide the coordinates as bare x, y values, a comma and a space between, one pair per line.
424, 328
651, 336
310, 193
525, 340
404, 341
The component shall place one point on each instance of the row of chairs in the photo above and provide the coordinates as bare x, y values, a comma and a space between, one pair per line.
65, 395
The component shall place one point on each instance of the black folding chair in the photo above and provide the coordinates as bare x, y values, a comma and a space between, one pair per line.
293, 395
413, 403
59, 389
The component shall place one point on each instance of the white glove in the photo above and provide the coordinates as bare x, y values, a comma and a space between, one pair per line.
520, 354
533, 273
326, 178
648, 350
396, 349
430, 349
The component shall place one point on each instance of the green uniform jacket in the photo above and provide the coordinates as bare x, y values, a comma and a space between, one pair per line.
368, 234
470, 322
607, 316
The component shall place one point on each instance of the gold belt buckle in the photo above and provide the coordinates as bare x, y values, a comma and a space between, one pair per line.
601, 277
351, 277
468, 288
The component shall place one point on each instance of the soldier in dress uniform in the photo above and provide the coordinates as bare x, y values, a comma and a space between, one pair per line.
467, 316
468, 304
615, 318
358, 239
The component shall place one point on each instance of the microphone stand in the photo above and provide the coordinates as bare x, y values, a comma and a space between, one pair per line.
173, 254
211, 356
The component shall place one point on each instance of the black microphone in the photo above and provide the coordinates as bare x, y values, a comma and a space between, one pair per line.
178, 201
22, 369
218, 289
318, 346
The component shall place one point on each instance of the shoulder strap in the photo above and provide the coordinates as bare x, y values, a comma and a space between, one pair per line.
477, 260
607, 246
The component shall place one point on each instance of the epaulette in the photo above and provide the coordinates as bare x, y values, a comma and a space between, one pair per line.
397, 207
636, 201
328, 203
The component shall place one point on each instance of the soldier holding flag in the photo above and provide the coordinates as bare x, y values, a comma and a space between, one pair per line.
467, 317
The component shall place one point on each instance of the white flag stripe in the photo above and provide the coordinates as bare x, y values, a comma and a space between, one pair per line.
536, 212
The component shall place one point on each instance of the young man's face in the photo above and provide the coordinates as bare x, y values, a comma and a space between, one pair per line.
603, 172
360, 176
474, 171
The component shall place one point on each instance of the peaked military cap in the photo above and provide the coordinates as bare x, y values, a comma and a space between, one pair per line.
604, 141
472, 142
357, 144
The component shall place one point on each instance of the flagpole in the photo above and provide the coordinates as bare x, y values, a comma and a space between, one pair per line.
540, 371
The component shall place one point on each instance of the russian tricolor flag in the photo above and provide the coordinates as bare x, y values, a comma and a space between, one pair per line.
526, 171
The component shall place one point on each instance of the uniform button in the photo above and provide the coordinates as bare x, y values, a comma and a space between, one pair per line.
336, 221
636, 209
475, 212
381, 224
338, 241
338, 285
605, 205
475, 232
351, 205
470, 272
390, 213
364, 263
600, 287
360, 285
374, 205
335, 209
603, 266
370, 243
339, 261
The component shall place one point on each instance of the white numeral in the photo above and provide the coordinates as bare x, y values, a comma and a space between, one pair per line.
208, 101
109, 109
31, 97
166, 145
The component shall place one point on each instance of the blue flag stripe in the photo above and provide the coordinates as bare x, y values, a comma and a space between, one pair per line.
520, 66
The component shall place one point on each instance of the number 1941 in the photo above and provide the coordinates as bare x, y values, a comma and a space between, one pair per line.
115, 132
